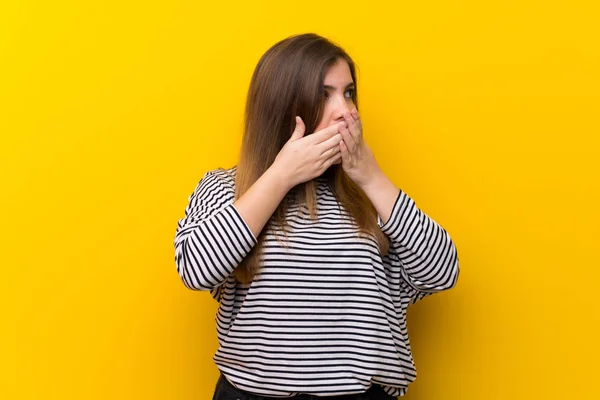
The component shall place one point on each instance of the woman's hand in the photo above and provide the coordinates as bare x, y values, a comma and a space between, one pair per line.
304, 158
358, 161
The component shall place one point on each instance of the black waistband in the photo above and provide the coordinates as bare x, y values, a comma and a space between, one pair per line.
374, 392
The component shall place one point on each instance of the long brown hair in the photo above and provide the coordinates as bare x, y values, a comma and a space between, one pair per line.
288, 81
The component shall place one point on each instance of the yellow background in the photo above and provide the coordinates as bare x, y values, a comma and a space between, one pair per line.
110, 112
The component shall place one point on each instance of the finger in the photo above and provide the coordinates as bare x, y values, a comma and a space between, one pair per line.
325, 133
335, 159
298, 130
349, 120
357, 119
327, 154
353, 126
345, 155
349, 140
329, 143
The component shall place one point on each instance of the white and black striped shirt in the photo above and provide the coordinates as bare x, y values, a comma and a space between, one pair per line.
325, 315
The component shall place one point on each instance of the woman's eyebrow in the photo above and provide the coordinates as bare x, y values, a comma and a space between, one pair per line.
329, 87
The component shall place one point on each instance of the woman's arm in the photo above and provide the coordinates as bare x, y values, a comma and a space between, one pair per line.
216, 232
423, 250
260, 201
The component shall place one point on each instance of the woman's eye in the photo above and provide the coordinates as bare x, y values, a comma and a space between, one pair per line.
350, 91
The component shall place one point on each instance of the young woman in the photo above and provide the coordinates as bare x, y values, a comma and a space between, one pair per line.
312, 252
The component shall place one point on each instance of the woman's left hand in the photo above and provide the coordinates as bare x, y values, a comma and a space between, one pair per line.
358, 161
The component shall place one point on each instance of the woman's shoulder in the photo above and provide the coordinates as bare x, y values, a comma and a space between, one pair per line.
218, 180
224, 175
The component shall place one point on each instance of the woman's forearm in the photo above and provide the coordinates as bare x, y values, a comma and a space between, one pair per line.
260, 201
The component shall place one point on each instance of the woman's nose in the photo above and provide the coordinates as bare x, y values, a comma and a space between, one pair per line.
343, 107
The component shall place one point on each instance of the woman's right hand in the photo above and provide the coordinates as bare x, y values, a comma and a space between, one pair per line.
304, 158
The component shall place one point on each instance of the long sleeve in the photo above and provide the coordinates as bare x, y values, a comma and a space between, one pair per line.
421, 249
213, 238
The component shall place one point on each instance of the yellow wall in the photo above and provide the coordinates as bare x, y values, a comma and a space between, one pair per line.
110, 113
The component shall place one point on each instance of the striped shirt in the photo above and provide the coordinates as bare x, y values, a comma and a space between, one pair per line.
326, 314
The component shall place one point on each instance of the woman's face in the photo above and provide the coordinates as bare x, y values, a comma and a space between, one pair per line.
338, 88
